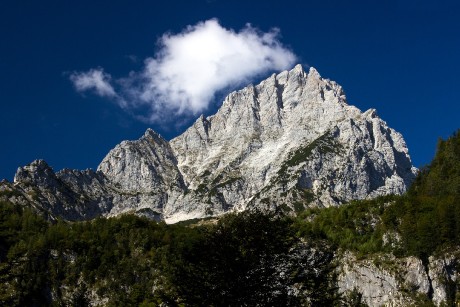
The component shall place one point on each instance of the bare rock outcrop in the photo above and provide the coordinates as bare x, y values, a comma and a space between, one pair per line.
385, 280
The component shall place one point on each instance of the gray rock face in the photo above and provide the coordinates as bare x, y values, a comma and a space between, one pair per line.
143, 175
290, 141
389, 281
443, 273
384, 285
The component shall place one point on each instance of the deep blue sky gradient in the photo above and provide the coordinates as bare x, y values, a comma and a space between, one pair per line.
400, 57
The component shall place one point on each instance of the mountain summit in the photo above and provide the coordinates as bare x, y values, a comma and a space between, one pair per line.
291, 141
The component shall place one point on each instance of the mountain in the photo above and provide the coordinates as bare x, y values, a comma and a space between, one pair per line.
291, 142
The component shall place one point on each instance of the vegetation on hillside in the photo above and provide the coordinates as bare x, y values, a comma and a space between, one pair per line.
249, 258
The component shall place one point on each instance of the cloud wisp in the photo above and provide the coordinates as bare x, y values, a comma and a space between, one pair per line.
189, 68
93, 80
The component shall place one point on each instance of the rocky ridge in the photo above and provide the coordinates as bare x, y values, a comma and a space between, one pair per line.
291, 141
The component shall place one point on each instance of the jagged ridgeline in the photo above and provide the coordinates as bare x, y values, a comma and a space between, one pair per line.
290, 142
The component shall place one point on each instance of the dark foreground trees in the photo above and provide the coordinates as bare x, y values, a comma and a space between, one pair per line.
246, 259
253, 259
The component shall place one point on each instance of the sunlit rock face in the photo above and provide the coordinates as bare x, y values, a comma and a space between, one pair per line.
389, 281
143, 175
290, 142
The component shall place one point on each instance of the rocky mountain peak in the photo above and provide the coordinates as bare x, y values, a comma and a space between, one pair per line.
154, 136
291, 141
292, 131
371, 113
298, 71
313, 73
38, 172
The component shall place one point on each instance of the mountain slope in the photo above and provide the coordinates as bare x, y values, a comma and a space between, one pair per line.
291, 141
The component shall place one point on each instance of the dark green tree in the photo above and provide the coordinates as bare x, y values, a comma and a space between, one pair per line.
252, 259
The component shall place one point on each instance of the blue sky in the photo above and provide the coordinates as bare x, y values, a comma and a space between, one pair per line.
400, 57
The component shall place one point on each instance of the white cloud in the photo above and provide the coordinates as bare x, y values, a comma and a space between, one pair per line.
190, 67
93, 80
